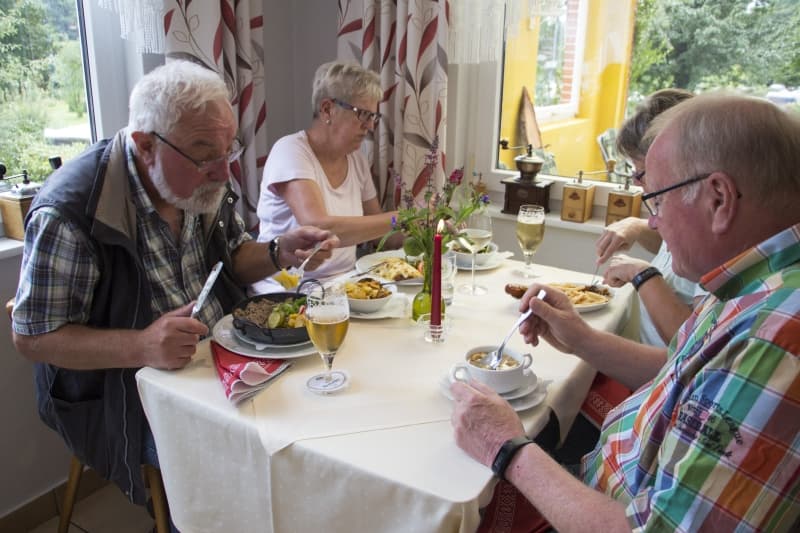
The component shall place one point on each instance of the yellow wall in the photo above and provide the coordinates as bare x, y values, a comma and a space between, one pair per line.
604, 85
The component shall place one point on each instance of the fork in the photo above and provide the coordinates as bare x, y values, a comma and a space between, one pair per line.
301, 270
594, 276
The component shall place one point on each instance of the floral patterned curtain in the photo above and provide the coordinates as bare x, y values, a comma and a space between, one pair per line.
405, 41
227, 37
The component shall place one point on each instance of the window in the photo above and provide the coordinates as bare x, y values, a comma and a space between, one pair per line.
43, 105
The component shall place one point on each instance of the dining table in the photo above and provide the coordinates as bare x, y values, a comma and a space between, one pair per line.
379, 455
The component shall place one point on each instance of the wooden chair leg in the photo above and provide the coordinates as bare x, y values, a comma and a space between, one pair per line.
159, 497
67, 505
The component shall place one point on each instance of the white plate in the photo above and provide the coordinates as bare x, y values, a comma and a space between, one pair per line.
593, 307
493, 262
261, 346
368, 261
532, 398
223, 333
396, 307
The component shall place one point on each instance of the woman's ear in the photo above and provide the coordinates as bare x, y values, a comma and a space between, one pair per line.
145, 146
724, 201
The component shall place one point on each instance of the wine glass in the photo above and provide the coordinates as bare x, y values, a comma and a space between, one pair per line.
530, 233
327, 320
476, 235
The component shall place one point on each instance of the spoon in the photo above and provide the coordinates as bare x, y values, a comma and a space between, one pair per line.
495, 356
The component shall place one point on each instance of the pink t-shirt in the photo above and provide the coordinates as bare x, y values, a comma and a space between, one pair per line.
292, 158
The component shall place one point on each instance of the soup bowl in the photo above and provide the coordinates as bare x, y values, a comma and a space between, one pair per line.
509, 375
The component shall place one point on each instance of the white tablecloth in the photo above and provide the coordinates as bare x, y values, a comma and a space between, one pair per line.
379, 456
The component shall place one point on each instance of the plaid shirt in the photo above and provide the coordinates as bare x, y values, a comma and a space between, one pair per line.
712, 443
59, 269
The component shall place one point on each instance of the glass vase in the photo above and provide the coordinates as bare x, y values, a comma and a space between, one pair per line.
421, 305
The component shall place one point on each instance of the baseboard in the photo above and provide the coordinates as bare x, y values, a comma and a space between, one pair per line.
48, 505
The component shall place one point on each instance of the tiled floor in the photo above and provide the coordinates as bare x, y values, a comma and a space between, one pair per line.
104, 511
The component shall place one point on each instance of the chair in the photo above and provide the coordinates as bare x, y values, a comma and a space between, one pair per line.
152, 476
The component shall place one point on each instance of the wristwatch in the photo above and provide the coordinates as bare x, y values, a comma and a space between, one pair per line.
506, 453
274, 250
639, 279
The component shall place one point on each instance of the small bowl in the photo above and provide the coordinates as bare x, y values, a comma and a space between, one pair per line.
464, 258
265, 335
501, 380
371, 305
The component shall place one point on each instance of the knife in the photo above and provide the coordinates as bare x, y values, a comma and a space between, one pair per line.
212, 277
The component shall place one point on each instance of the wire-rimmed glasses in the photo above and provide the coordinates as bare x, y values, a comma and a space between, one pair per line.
364, 115
207, 165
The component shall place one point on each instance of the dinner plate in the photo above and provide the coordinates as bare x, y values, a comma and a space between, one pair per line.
261, 346
585, 308
533, 397
366, 262
224, 333
397, 307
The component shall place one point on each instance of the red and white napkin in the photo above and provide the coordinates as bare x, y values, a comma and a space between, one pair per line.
241, 376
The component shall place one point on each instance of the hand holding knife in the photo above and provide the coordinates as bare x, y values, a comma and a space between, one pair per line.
212, 277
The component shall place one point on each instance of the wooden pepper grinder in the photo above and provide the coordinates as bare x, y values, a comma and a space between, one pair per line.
623, 203
576, 203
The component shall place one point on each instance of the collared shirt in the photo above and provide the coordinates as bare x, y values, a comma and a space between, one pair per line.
62, 290
712, 443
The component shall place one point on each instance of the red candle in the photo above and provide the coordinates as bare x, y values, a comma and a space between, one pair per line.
436, 282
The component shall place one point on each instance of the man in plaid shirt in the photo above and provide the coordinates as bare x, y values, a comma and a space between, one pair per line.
708, 441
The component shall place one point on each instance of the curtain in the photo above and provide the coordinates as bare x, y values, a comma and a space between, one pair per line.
405, 42
227, 37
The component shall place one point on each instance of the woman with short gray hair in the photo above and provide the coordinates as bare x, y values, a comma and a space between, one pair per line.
319, 177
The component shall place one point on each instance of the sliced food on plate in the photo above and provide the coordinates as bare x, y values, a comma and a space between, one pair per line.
395, 269
581, 295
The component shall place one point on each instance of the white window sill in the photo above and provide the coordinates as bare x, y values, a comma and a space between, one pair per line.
10, 248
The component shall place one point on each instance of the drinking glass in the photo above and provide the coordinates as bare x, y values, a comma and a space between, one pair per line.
530, 233
477, 233
327, 320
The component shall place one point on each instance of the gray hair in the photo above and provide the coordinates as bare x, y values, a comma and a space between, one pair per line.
165, 94
752, 140
343, 81
630, 138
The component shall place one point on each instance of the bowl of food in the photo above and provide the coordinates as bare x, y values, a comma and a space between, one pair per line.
274, 318
510, 374
368, 294
464, 257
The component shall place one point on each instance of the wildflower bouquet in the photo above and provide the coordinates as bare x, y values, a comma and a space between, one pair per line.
418, 219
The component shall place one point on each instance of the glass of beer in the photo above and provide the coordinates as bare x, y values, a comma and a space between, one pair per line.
530, 233
327, 320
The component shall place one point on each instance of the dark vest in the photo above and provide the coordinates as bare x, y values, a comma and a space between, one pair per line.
98, 412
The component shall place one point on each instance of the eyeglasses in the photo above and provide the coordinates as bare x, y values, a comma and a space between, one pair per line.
364, 115
638, 176
653, 207
208, 164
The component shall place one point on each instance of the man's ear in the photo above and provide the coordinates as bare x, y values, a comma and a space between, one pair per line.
724, 199
145, 146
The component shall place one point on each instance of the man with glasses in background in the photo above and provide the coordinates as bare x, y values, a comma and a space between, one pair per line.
118, 244
710, 440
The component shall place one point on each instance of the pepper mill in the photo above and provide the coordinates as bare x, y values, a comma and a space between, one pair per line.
623, 203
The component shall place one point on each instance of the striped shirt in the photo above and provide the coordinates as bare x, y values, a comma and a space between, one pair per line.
59, 266
712, 443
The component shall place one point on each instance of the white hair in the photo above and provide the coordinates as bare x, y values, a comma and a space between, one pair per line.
165, 94
344, 81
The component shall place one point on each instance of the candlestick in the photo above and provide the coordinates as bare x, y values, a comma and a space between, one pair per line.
436, 282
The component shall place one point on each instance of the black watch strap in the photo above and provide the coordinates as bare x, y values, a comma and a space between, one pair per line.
506, 453
639, 279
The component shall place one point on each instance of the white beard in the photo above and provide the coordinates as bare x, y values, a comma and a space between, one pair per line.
204, 199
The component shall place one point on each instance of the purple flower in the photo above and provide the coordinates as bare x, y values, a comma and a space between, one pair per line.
456, 176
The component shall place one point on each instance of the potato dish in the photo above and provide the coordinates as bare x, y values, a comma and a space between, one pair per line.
366, 289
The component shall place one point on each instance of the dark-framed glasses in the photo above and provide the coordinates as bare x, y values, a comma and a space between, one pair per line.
364, 115
653, 206
208, 164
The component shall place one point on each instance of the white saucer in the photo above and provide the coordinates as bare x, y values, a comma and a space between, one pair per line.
223, 333
397, 307
533, 397
495, 261
364, 263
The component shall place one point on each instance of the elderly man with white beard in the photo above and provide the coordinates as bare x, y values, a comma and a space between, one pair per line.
118, 244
